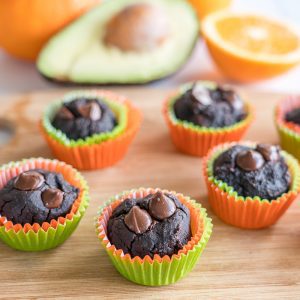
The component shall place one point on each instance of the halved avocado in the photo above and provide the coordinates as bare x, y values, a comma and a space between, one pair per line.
122, 42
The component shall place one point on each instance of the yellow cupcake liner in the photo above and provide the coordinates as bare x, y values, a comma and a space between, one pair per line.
289, 132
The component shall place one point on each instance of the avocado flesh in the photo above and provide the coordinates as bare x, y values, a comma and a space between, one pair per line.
78, 53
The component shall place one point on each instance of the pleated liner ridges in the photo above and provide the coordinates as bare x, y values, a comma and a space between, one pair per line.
197, 141
104, 154
289, 132
159, 270
48, 235
248, 213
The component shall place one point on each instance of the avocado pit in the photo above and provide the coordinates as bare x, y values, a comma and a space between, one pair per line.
139, 27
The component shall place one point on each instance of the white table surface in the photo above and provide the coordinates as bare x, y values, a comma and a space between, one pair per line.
18, 76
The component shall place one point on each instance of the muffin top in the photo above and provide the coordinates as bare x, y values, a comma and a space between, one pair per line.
156, 224
293, 116
83, 117
260, 171
36, 196
206, 106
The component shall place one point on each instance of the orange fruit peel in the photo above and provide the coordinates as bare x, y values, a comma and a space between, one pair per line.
248, 47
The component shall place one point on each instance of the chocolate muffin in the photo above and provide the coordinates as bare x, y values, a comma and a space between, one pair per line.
36, 196
206, 106
157, 224
83, 117
293, 116
260, 171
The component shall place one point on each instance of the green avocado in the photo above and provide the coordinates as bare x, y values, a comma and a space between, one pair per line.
122, 42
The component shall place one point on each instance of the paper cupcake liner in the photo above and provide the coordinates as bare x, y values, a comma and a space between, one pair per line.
247, 212
37, 237
196, 140
89, 156
158, 270
289, 132
115, 103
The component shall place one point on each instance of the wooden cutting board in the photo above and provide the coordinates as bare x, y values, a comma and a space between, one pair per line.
236, 263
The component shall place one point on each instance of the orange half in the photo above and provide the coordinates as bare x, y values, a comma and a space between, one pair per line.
251, 47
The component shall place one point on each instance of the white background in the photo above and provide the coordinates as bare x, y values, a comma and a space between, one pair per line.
18, 76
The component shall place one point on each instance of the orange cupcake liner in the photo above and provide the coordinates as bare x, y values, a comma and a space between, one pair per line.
104, 154
247, 213
200, 227
198, 141
34, 237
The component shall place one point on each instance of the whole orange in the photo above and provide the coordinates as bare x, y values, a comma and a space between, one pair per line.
205, 7
27, 24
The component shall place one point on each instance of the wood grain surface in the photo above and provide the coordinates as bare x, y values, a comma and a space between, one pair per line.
262, 264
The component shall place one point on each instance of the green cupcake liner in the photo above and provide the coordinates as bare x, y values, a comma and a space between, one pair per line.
290, 160
52, 237
119, 109
289, 140
165, 272
197, 128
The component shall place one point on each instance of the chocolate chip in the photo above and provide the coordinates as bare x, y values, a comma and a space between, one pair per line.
138, 220
201, 94
200, 119
29, 180
65, 113
52, 198
232, 98
249, 160
161, 206
269, 152
235, 101
90, 110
